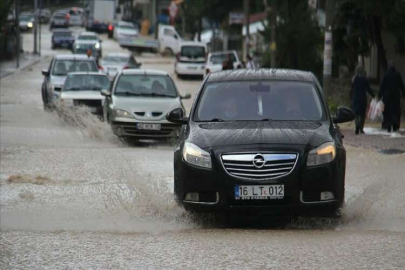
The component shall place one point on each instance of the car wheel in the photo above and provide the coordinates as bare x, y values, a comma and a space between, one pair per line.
168, 52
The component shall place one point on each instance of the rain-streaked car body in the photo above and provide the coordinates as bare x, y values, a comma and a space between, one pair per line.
84, 89
114, 63
138, 103
55, 74
261, 141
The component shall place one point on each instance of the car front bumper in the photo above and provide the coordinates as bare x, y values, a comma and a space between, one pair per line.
131, 129
302, 189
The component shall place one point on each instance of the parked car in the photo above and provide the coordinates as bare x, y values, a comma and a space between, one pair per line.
59, 20
55, 75
75, 16
138, 103
191, 59
44, 15
261, 141
91, 38
27, 21
114, 63
62, 38
125, 30
84, 89
216, 59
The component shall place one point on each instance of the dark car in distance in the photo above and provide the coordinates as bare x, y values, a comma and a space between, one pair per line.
62, 38
261, 141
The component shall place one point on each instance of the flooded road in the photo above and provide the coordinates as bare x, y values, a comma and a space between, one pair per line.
78, 198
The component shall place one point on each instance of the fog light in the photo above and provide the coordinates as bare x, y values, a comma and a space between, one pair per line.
192, 196
119, 131
327, 195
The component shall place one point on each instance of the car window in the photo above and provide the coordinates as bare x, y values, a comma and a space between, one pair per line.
259, 100
192, 51
168, 32
78, 82
59, 17
145, 85
62, 34
87, 37
83, 48
63, 67
220, 58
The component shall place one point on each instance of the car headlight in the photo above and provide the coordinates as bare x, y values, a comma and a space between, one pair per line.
122, 113
97, 45
323, 154
30, 24
194, 155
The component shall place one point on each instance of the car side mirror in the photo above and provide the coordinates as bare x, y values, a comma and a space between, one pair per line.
177, 116
343, 115
186, 96
105, 93
45, 72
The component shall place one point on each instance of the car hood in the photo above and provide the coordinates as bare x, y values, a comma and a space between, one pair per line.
83, 95
145, 108
57, 80
212, 135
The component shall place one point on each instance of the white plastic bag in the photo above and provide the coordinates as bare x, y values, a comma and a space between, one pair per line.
375, 112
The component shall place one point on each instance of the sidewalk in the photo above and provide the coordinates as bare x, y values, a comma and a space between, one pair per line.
375, 137
8, 67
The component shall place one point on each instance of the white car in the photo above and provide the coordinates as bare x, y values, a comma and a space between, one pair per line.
91, 37
125, 30
191, 59
84, 89
138, 103
76, 17
114, 63
216, 59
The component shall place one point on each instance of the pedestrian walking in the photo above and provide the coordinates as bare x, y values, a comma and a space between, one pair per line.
390, 92
360, 88
250, 63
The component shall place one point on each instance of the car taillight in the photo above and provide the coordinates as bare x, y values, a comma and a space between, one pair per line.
110, 27
207, 70
67, 16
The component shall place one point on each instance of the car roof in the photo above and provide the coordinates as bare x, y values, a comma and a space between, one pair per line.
192, 43
62, 30
87, 34
73, 57
87, 73
222, 52
86, 42
144, 72
262, 74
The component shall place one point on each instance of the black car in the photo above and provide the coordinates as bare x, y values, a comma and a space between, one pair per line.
261, 140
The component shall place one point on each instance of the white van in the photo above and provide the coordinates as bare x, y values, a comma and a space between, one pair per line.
191, 59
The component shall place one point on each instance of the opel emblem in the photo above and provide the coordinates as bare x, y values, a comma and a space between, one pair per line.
259, 161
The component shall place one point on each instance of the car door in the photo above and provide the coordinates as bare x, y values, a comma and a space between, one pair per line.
169, 40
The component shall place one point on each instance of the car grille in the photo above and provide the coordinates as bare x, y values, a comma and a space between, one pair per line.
259, 166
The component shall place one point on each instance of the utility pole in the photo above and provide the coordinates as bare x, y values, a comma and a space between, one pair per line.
273, 44
35, 25
17, 28
327, 55
40, 8
247, 23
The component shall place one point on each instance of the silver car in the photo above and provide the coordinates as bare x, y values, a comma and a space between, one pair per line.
138, 103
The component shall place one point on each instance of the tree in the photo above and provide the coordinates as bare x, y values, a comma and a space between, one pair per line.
5, 6
299, 39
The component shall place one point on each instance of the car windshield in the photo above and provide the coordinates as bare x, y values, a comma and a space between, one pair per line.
63, 67
60, 17
116, 59
145, 85
131, 27
26, 18
87, 37
192, 51
82, 49
220, 58
259, 101
62, 34
76, 82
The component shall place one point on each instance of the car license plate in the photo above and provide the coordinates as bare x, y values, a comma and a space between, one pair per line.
264, 192
148, 126
192, 68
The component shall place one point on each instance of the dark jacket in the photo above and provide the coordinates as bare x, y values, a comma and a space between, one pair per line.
390, 91
360, 88
227, 64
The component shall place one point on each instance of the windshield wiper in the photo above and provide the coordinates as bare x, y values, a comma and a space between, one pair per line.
216, 120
